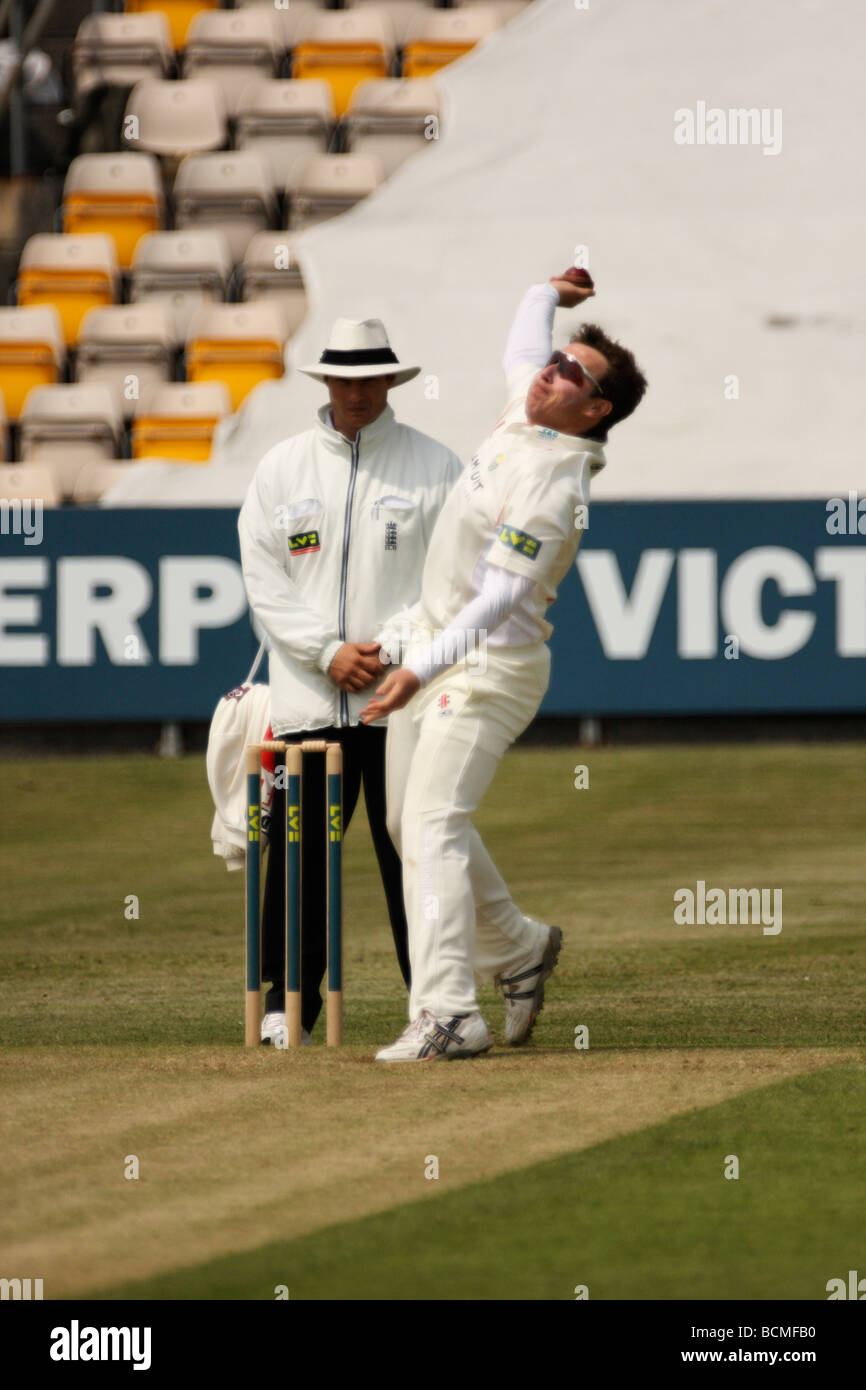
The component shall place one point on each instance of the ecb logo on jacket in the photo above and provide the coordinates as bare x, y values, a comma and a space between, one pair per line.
304, 543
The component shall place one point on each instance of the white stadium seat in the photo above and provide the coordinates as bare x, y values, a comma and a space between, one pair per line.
329, 184
270, 271
117, 50
232, 193
235, 48
289, 19
183, 270
96, 478
286, 122
65, 426
127, 347
389, 119
174, 119
33, 482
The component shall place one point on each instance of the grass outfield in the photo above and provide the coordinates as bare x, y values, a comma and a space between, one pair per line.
556, 1166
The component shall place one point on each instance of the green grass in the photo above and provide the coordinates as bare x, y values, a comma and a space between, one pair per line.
128, 1032
83, 834
648, 1216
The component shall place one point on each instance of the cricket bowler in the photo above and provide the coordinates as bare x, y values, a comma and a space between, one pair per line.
505, 538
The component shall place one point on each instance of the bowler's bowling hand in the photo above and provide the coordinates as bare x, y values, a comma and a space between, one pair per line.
356, 665
395, 691
573, 286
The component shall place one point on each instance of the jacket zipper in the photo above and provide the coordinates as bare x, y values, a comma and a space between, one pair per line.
344, 572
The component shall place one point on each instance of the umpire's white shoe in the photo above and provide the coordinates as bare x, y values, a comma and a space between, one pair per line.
275, 1030
523, 990
430, 1039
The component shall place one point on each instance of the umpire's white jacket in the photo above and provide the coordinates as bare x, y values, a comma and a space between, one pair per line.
333, 537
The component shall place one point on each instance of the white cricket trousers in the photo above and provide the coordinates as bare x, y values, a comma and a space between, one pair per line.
443, 749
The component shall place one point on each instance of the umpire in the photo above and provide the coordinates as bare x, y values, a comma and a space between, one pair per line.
333, 535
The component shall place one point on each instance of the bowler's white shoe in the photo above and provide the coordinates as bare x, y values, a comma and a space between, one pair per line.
429, 1039
275, 1031
523, 990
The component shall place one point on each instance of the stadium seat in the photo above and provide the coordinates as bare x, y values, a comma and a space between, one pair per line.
178, 420
179, 13
239, 344
235, 48
73, 273
437, 37
98, 477
400, 14
343, 47
286, 122
232, 193
174, 119
4, 431
182, 270
388, 119
24, 482
32, 353
505, 10
118, 194
64, 426
296, 13
127, 347
117, 50
270, 271
329, 184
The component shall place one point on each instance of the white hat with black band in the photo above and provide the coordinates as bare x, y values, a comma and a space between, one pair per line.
358, 348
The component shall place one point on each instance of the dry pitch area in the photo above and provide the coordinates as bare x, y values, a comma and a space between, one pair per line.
555, 1166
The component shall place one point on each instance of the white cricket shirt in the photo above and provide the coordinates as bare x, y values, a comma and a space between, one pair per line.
515, 505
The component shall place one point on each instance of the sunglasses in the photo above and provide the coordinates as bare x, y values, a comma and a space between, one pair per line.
572, 370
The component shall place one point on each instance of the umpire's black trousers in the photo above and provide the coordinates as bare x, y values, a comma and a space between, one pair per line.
363, 760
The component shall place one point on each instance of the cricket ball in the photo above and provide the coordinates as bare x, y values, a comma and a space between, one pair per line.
577, 276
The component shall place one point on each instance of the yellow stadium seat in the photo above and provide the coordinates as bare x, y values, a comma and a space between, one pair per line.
179, 13
239, 344
72, 273
4, 433
436, 38
343, 47
32, 353
177, 421
118, 194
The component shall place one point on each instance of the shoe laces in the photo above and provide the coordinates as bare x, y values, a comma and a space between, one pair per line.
421, 1024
